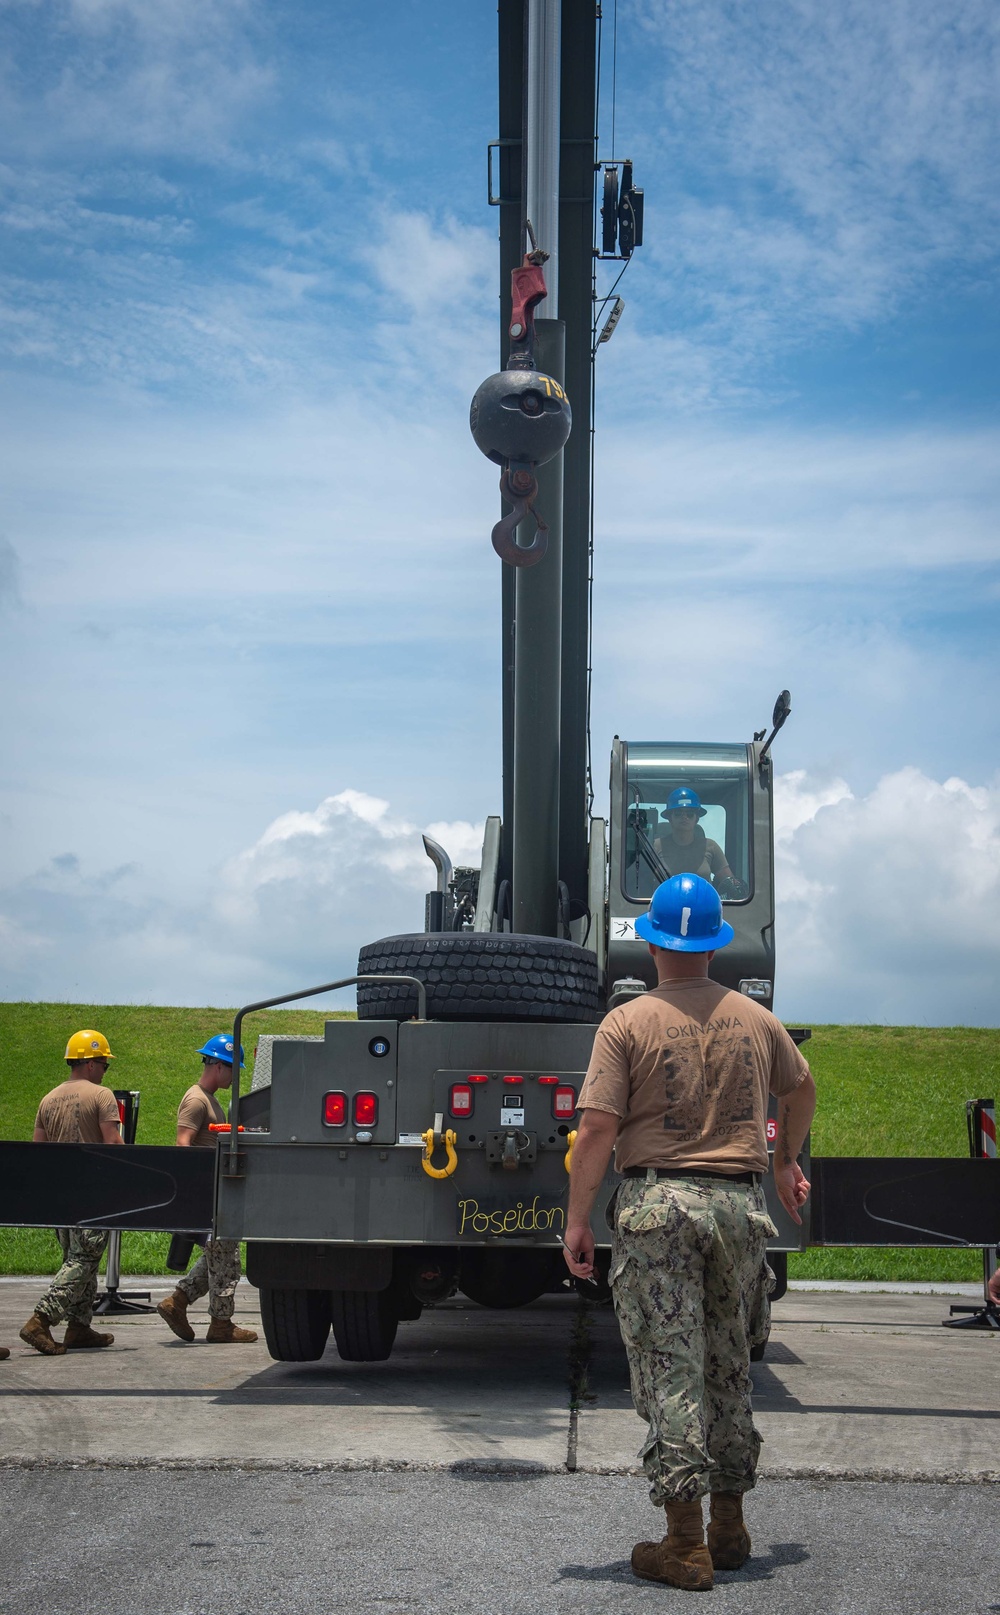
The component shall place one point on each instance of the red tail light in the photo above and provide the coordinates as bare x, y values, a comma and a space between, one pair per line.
460, 1101
365, 1110
564, 1103
513, 1079
334, 1109
477, 1076
549, 1080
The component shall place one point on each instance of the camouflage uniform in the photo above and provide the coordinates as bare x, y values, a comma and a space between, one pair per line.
691, 1286
216, 1274
73, 1291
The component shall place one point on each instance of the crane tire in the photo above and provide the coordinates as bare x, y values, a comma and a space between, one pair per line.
480, 976
296, 1323
364, 1324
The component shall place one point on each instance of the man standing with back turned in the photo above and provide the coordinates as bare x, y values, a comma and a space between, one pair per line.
678, 1084
79, 1111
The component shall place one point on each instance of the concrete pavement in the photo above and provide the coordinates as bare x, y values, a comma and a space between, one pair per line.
854, 1385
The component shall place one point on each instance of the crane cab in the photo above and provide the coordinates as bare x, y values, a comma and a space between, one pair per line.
730, 842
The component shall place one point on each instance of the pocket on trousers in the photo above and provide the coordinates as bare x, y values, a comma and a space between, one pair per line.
650, 1213
761, 1224
617, 1268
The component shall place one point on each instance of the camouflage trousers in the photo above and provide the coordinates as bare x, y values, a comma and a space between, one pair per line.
73, 1291
691, 1288
216, 1274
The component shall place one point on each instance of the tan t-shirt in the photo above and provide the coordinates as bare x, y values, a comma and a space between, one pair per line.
73, 1112
688, 1068
196, 1110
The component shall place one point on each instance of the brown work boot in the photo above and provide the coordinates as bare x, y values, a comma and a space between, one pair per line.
4, 1352
37, 1333
728, 1537
681, 1559
80, 1335
224, 1332
173, 1311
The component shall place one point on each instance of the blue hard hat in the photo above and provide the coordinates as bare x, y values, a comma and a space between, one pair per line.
221, 1048
683, 797
685, 915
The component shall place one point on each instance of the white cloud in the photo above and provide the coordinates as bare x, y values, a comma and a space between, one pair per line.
124, 76
293, 908
348, 869
888, 903
811, 168
888, 906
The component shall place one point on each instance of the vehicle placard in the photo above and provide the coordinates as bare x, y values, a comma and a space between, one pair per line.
487, 1215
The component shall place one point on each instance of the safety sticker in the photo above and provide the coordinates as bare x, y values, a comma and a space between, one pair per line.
623, 931
411, 1141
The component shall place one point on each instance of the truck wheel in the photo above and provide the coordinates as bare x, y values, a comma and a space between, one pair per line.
480, 976
364, 1324
296, 1323
506, 1278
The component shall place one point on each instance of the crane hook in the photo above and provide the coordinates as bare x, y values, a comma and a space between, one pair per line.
519, 487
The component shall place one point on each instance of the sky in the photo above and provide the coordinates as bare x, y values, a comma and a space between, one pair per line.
249, 611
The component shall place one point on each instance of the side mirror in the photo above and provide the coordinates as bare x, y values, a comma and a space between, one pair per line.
782, 707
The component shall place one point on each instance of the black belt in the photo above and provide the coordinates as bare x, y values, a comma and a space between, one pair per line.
691, 1172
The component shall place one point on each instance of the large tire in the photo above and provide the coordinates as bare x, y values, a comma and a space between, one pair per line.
296, 1323
502, 1279
480, 976
364, 1324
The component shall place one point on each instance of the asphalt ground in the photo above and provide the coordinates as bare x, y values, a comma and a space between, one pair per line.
489, 1465
472, 1543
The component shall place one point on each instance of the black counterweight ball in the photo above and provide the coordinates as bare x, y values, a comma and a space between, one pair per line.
520, 415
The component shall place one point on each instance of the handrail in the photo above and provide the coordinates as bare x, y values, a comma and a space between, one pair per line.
291, 998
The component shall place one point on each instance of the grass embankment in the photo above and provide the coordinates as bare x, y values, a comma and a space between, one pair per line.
155, 1051
896, 1090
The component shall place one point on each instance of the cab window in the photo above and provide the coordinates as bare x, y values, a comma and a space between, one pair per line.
687, 809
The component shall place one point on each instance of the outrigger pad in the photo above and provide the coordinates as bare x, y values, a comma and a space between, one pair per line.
158, 1188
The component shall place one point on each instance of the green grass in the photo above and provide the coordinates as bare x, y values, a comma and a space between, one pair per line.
155, 1051
883, 1090
896, 1090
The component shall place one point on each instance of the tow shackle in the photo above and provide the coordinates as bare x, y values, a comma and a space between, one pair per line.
431, 1139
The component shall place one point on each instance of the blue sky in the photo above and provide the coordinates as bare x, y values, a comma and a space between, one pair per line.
247, 287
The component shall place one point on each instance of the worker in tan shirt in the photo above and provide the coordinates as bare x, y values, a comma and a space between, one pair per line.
217, 1271
677, 1086
79, 1111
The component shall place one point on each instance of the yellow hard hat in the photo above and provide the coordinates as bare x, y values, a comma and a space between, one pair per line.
88, 1046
